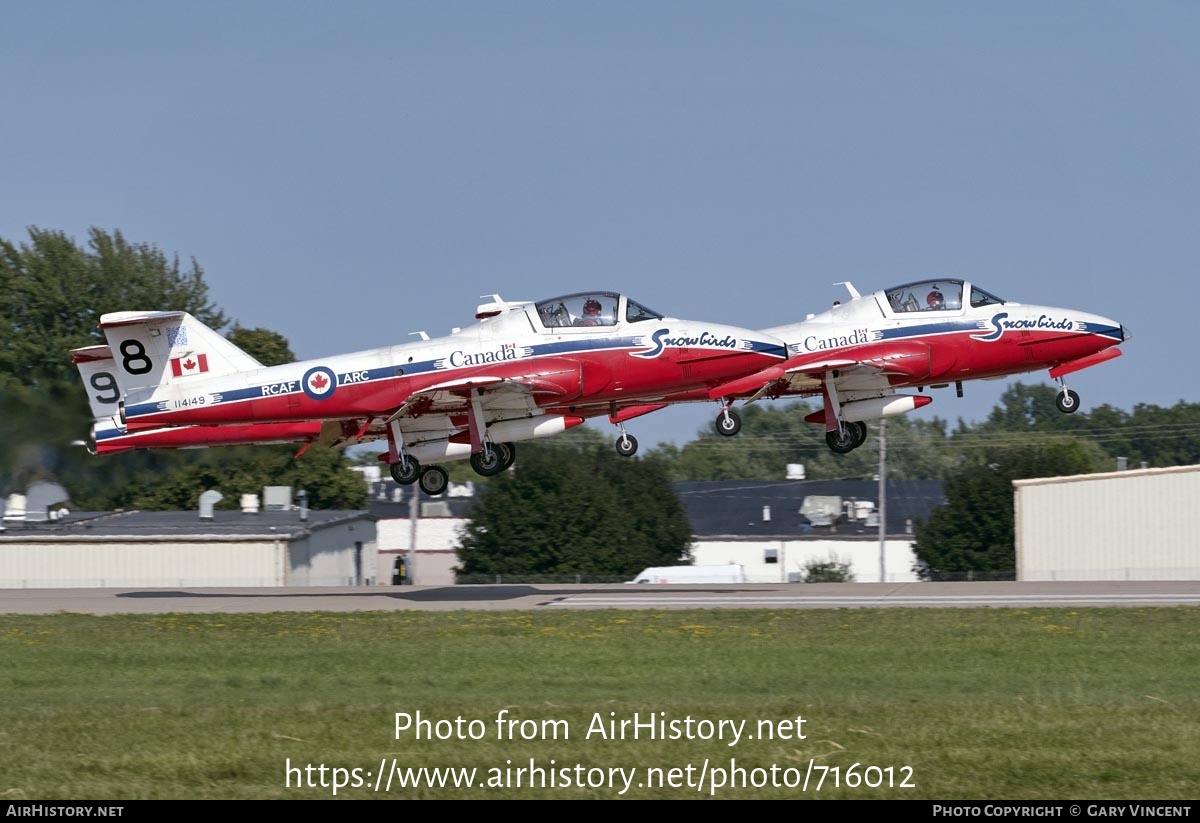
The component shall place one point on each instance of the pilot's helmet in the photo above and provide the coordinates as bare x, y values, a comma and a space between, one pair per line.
935, 299
592, 307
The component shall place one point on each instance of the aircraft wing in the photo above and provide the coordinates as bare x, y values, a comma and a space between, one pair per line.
861, 367
441, 409
516, 384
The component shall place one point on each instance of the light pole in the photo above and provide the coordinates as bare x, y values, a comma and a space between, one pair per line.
882, 498
414, 514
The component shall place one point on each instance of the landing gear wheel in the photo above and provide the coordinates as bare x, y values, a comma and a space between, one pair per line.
488, 462
843, 440
627, 445
859, 429
405, 471
508, 453
434, 480
728, 423
1067, 401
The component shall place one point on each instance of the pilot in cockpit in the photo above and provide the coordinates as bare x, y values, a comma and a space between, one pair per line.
591, 312
936, 300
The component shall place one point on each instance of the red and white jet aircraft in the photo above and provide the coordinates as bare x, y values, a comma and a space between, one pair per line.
924, 334
524, 370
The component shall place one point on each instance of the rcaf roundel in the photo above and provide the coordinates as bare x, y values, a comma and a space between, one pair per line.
319, 382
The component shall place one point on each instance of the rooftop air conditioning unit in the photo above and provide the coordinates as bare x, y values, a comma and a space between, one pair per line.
277, 498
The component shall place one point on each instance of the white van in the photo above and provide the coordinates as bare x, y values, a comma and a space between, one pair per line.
729, 573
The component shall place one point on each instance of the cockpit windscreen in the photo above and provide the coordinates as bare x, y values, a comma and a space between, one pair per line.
583, 309
927, 295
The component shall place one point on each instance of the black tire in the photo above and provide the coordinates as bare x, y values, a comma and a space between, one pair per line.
728, 423
434, 480
859, 429
841, 441
1067, 401
488, 462
508, 452
405, 472
627, 445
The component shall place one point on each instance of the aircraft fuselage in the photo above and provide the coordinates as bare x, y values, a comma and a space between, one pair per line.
565, 367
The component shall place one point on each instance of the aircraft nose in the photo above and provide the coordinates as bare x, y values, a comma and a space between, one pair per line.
1125, 333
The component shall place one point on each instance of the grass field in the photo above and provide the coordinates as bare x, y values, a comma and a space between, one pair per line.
1004, 704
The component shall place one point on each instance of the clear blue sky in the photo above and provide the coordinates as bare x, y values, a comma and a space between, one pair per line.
347, 173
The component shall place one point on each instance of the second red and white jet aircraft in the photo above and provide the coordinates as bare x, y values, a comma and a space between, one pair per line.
934, 333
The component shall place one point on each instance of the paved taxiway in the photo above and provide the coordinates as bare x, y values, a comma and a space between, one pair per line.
612, 596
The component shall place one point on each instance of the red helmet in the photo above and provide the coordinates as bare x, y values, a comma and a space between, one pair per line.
935, 299
592, 306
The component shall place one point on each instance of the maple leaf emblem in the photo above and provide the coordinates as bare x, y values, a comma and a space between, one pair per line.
318, 382
189, 364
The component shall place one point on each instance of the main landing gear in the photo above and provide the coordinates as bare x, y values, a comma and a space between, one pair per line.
490, 461
493, 458
406, 470
432, 479
847, 437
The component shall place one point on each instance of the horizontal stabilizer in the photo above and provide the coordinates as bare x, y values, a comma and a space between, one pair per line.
90, 354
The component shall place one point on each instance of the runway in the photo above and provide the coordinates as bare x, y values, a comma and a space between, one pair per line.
517, 597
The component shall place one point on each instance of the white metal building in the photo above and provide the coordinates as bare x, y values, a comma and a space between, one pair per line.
785, 560
426, 548
1139, 524
418, 536
232, 548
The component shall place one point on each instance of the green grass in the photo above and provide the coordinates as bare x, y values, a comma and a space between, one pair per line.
979, 703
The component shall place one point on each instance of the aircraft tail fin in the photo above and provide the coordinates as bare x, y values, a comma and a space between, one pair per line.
97, 369
161, 347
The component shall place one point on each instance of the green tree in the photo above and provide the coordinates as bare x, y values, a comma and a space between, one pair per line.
1025, 407
268, 347
574, 509
973, 533
1152, 434
54, 292
1159, 436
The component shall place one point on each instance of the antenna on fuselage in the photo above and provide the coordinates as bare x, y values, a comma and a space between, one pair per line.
423, 335
854, 295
